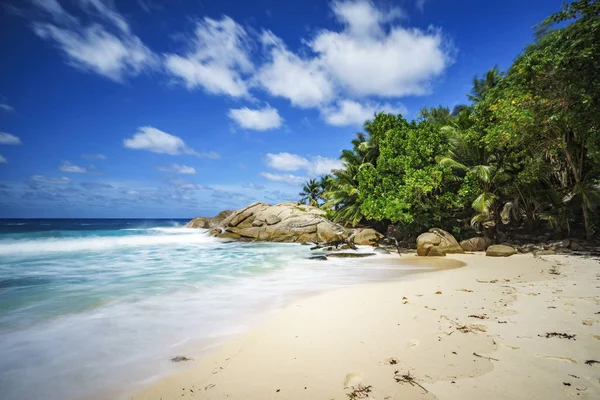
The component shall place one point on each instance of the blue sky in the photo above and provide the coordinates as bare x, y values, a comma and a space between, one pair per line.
180, 108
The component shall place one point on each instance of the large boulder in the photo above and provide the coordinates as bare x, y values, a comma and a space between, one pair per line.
208, 223
366, 236
475, 244
435, 251
284, 222
444, 241
500, 250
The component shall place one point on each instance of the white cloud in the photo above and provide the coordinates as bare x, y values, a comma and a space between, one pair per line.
3, 160
420, 4
154, 140
94, 156
55, 10
157, 141
217, 59
286, 161
350, 112
67, 166
6, 107
41, 178
209, 154
322, 165
7, 138
303, 81
259, 120
254, 186
317, 165
177, 169
102, 9
361, 18
284, 178
185, 186
372, 56
93, 47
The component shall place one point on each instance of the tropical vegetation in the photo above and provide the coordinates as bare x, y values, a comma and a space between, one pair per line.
522, 155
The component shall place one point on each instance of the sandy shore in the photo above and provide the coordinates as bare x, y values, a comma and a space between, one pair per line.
468, 333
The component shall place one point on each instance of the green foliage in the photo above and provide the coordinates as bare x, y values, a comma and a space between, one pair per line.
524, 153
311, 193
407, 185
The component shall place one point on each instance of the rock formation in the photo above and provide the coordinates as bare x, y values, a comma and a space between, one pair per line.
285, 222
500, 250
475, 244
366, 236
208, 223
440, 239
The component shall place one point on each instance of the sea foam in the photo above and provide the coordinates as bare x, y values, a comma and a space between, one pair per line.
96, 313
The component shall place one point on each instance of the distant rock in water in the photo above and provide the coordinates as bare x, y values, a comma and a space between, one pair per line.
284, 222
208, 223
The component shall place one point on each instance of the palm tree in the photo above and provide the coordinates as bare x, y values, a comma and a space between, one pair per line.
311, 193
342, 196
482, 85
472, 159
364, 151
342, 193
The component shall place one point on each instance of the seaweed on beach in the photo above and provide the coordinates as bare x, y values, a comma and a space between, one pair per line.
549, 335
180, 359
470, 328
554, 271
478, 316
591, 362
359, 392
408, 378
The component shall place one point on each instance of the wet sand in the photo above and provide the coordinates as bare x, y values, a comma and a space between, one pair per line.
479, 331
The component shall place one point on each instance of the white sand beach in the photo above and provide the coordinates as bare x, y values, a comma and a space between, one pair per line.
473, 332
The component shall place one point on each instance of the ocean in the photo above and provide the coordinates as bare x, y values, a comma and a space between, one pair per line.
94, 308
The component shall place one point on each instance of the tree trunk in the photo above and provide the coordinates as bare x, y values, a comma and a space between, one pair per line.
586, 222
577, 173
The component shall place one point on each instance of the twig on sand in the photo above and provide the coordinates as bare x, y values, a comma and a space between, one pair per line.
478, 316
487, 358
359, 392
471, 328
558, 335
408, 378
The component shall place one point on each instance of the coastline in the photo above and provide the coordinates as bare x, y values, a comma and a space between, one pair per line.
342, 341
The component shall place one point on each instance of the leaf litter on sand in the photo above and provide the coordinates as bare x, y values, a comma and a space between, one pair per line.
408, 378
359, 392
549, 335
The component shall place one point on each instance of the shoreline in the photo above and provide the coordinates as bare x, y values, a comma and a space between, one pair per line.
389, 270
368, 337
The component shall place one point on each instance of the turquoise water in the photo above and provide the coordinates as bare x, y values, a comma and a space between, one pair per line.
90, 308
